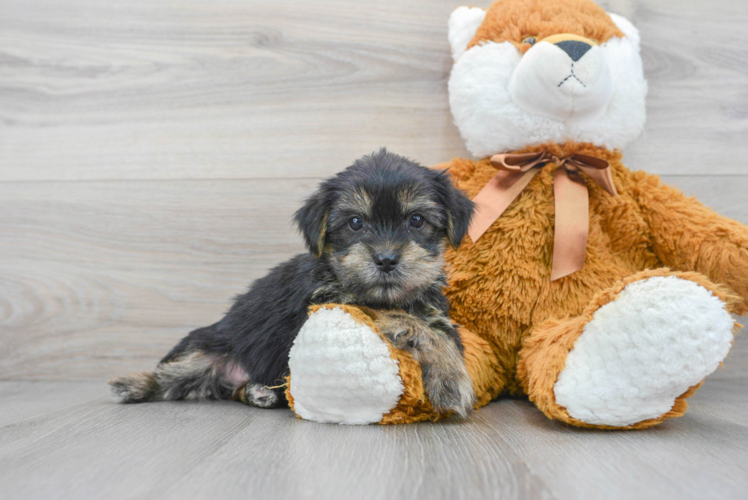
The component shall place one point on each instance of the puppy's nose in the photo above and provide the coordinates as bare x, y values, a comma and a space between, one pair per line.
386, 262
574, 48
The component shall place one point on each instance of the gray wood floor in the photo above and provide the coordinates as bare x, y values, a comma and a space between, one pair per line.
151, 155
67, 440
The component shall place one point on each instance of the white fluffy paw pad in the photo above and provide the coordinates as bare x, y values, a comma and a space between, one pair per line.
341, 371
659, 337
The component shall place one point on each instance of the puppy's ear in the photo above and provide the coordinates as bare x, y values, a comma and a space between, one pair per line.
312, 218
459, 209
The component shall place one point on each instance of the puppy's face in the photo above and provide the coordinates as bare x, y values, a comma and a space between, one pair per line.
383, 224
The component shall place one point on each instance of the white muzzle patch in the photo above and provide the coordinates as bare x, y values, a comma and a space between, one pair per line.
565, 85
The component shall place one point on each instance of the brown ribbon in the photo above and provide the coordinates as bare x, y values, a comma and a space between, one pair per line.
516, 170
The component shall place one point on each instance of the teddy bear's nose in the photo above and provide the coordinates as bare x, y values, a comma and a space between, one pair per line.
574, 48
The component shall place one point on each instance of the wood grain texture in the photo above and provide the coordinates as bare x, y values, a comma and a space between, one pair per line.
93, 448
220, 89
100, 278
143, 89
697, 456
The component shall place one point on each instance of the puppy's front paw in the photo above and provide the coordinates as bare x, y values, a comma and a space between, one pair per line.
403, 331
449, 387
445, 377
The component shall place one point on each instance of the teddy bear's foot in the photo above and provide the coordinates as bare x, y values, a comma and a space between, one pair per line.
635, 355
660, 337
344, 370
341, 371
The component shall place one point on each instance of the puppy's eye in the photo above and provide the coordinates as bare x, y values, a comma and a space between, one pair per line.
356, 223
529, 39
417, 221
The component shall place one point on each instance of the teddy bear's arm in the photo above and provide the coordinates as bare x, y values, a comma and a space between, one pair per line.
688, 236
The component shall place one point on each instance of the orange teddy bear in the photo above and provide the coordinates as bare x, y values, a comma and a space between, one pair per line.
600, 293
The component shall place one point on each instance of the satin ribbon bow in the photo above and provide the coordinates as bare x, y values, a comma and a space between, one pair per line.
516, 170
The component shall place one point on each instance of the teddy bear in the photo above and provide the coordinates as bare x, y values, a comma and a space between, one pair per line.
599, 293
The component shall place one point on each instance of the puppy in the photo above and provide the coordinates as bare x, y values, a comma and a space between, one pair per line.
376, 235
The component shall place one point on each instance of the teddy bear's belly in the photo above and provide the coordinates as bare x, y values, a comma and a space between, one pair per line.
500, 286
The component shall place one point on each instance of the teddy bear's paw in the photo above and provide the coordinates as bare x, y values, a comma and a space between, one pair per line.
342, 371
643, 350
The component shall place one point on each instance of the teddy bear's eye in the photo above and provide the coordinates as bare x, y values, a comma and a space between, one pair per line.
529, 39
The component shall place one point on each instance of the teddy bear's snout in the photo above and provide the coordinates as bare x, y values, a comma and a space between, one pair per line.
564, 77
575, 46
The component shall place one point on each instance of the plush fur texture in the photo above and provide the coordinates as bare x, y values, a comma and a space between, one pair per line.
500, 286
514, 20
504, 98
463, 23
376, 234
342, 373
505, 95
682, 333
544, 353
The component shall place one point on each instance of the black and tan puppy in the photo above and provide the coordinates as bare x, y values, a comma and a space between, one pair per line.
376, 234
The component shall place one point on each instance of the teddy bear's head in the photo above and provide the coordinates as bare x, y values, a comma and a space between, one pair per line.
528, 72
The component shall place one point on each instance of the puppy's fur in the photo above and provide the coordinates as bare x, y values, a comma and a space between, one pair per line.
376, 234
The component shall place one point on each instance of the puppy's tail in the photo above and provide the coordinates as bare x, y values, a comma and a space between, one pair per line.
135, 388
194, 376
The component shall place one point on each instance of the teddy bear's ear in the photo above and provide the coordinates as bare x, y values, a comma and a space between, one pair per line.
463, 23
628, 29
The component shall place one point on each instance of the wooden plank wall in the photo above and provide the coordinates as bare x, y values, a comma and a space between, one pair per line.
152, 152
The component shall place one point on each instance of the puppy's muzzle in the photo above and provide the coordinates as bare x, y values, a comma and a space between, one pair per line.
386, 262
